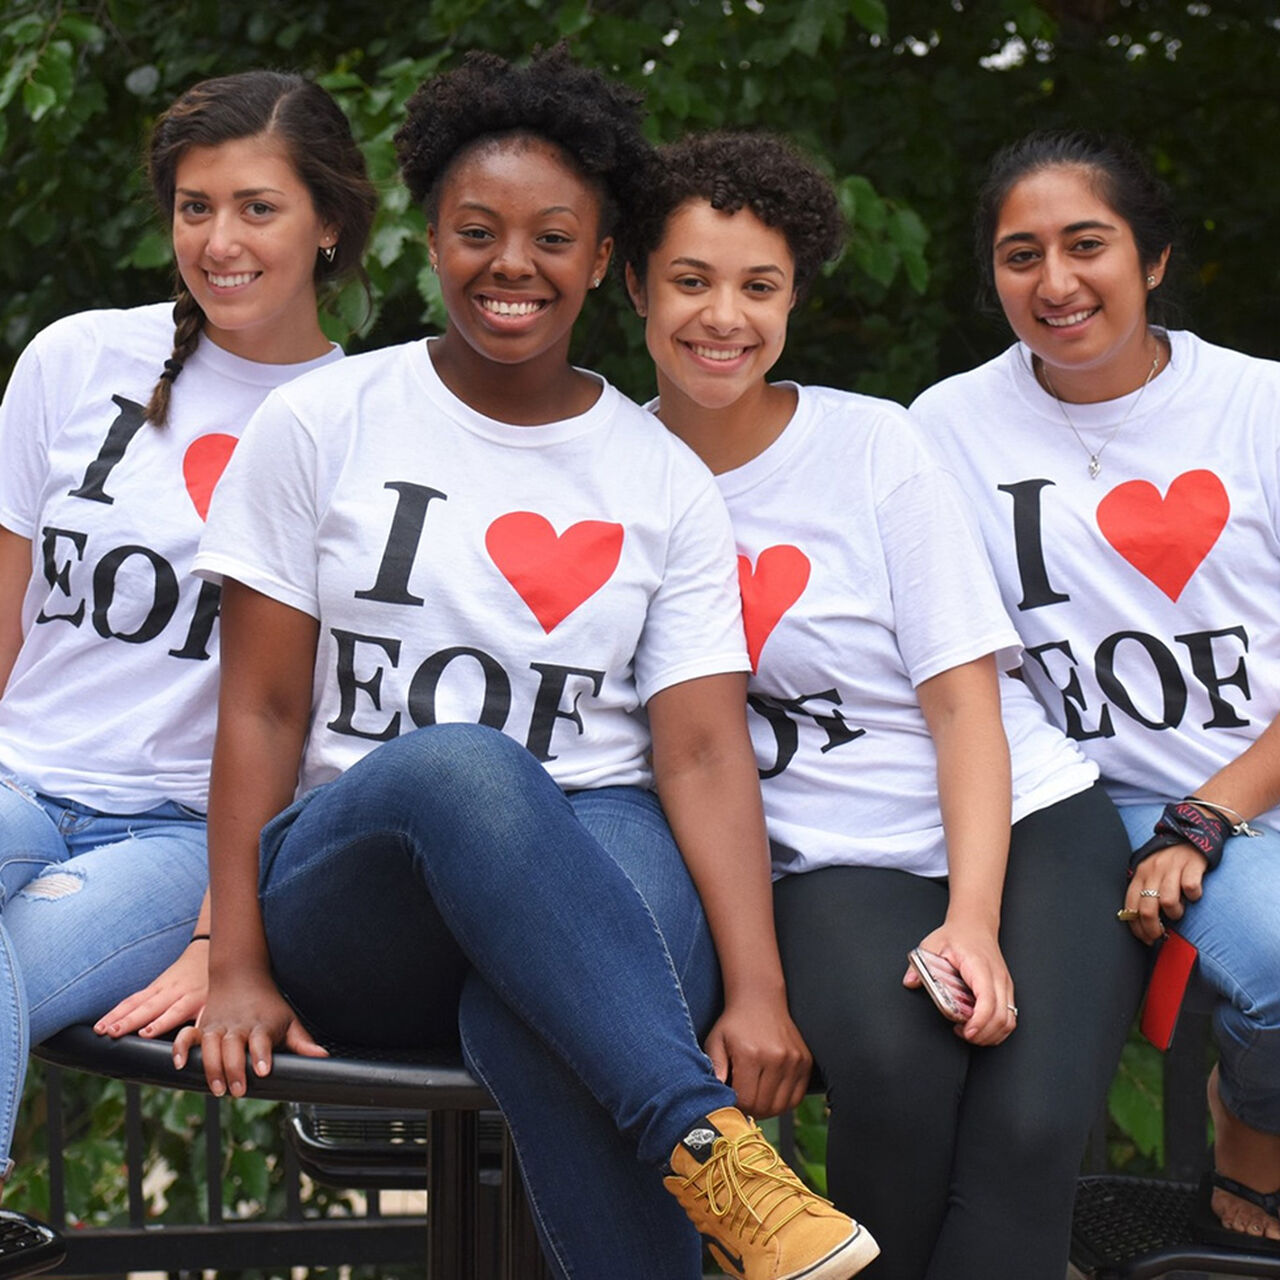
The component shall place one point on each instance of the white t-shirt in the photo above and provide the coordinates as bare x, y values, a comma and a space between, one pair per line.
543, 580
111, 701
861, 578
1148, 599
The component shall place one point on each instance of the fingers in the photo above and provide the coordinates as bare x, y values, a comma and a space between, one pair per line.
211, 1057
718, 1052
297, 1039
995, 1015
222, 1051
768, 1089
1147, 898
131, 1013
769, 1070
180, 1011
1161, 886
183, 1043
1193, 881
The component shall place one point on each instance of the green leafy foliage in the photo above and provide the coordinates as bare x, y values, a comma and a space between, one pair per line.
903, 101
175, 1170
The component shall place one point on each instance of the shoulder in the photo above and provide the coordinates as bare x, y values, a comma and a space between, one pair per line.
136, 331
972, 387
340, 384
855, 425
1205, 360
640, 431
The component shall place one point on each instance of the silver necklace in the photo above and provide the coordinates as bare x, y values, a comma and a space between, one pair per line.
1095, 458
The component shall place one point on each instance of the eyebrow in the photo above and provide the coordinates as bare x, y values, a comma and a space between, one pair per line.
542, 213
243, 194
767, 269
1026, 237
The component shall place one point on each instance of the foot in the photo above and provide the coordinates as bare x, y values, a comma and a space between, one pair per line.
1248, 1156
759, 1220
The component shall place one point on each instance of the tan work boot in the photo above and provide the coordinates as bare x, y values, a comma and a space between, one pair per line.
759, 1220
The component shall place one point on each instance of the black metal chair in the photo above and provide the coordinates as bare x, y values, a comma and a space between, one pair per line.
449, 1166
1131, 1228
27, 1247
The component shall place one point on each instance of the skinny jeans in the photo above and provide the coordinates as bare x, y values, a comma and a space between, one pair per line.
92, 907
962, 1160
1235, 925
445, 888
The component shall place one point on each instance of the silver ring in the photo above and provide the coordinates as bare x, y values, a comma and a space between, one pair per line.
1148, 893
1013, 1009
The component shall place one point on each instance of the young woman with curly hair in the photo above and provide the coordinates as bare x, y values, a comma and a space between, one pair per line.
114, 429
482, 645
875, 632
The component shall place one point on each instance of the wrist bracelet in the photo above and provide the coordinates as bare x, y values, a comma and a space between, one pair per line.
198, 937
1183, 822
1240, 825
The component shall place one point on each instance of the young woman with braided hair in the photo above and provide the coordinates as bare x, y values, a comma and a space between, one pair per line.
114, 429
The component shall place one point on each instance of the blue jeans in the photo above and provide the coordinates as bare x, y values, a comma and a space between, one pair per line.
1236, 927
92, 907
444, 885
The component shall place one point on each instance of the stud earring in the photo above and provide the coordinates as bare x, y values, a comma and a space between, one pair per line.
329, 252
595, 284
1151, 282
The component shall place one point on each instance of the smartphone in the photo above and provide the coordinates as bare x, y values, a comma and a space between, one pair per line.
942, 980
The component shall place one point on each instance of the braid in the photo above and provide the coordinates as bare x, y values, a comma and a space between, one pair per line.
188, 322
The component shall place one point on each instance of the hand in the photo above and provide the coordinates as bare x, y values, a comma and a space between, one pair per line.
1174, 873
242, 1015
755, 1045
175, 997
975, 952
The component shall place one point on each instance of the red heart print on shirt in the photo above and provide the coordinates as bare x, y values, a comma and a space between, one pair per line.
202, 466
553, 573
780, 575
1166, 538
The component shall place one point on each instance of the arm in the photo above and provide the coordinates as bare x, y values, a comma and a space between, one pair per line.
264, 708
706, 778
15, 573
962, 709
1250, 785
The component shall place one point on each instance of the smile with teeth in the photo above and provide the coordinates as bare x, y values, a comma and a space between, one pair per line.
231, 282
499, 307
1061, 322
723, 354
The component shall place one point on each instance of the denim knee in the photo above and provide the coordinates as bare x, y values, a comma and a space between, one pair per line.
29, 839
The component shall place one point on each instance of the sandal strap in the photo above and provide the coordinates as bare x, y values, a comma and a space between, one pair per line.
1268, 1201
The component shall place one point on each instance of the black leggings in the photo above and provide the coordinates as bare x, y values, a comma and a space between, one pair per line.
962, 1161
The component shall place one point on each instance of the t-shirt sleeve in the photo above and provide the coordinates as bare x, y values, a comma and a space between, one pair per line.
694, 624
24, 445
946, 606
262, 525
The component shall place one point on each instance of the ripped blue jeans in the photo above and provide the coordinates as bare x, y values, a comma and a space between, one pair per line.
92, 907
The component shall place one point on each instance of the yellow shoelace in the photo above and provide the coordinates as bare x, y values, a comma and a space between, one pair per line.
748, 1173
